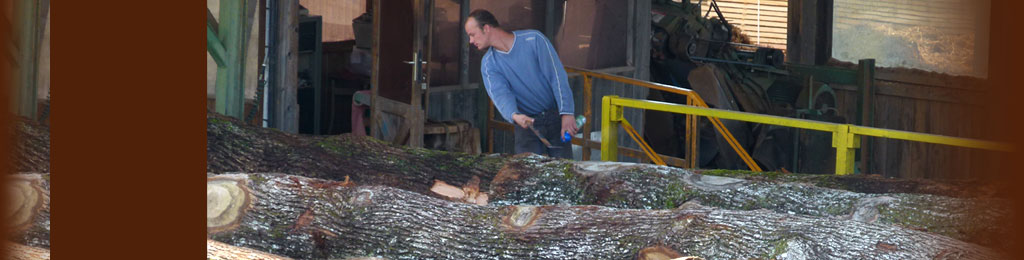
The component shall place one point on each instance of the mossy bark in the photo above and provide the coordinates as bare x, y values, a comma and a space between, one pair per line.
537, 180
310, 219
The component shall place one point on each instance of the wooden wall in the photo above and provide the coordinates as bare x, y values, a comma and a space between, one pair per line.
917, 101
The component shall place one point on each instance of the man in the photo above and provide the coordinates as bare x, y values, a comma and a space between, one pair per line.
526, 81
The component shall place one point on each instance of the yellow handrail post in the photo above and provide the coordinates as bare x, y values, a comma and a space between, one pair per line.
587, 113
610, 115
846, 144
691, 136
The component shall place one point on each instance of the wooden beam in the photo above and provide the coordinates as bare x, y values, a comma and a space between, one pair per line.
286, 90
230, 92
866, 82
374, 74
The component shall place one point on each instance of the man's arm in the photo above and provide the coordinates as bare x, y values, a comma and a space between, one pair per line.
552, 67
498, 89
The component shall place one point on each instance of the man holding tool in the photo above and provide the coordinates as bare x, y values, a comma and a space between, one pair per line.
526, 81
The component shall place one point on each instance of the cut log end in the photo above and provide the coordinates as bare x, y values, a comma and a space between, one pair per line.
26, 199
227, 199
658, 253
520, 217
469, 193
22, 252
218, 250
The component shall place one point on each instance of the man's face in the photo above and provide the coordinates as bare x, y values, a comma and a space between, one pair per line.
477, 36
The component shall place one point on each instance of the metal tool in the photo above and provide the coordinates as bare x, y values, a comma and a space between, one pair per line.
542, 139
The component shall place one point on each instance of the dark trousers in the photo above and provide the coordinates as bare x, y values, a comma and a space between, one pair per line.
549, 124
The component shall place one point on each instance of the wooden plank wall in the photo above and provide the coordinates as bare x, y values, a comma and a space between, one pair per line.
901, 33
764, 21
925, 107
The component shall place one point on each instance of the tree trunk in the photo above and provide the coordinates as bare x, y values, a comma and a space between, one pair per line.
542, 181
312, 218
233, 146
30, 209
537, 180
31, 146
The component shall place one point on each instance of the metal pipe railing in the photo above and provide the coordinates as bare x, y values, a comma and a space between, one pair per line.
845, 137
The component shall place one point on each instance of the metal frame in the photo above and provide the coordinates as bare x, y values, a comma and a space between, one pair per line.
845, 137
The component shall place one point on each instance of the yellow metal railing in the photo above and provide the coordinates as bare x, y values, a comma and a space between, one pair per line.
691, 124
845, 137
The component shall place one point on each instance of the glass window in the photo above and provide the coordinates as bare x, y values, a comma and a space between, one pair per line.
941, 36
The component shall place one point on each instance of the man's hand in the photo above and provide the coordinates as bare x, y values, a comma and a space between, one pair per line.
522, 120
569, 125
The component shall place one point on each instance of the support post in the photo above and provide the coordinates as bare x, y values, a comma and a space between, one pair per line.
28, 56
610, 117
866, 82
846, 144
230, 92
691, 136
588, 98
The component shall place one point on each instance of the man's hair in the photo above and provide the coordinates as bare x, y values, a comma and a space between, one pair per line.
483, 17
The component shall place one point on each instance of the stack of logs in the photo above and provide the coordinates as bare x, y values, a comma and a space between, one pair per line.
275, 195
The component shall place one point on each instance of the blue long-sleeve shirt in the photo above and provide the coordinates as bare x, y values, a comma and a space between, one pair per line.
528, 79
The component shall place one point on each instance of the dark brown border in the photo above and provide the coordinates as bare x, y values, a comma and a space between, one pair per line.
1006, 76
128, 131
6, 143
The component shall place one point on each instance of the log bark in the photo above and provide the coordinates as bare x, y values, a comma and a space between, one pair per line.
537, 180
31, 151
309, 218
233, 146
29, 212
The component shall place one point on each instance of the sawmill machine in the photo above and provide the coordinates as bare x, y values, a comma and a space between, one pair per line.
699, 50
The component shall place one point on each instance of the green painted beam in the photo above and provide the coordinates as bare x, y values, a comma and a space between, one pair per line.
28, 55
214, 47
230, 32
831, 75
